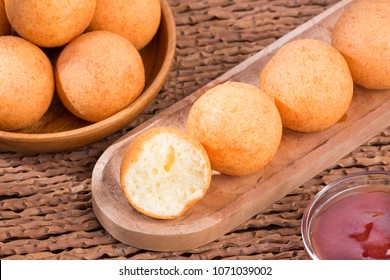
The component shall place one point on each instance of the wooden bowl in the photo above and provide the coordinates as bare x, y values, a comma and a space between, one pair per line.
59, 130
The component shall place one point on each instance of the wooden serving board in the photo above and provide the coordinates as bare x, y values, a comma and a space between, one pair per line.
232, 200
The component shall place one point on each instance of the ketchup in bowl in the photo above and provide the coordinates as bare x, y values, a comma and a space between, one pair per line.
350, 219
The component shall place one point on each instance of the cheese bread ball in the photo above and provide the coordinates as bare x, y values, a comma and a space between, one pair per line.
50, 23
362, 36
311, 84
164, 172
136, 20
238, 125
98, 74
26, 83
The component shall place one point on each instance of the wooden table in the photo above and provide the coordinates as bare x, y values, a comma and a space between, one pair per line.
45, 199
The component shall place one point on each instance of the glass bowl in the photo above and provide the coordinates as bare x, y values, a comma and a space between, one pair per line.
350, 218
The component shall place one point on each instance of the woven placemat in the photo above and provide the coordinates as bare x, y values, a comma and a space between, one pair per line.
45, 199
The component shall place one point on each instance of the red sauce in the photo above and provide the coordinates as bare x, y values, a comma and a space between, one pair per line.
355, 227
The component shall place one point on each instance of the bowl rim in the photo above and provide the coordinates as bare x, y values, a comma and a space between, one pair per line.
305, 224
147, 95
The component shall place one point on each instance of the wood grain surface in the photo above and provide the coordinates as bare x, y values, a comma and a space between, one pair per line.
230, 200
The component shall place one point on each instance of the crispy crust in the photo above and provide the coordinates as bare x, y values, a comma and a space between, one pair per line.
311, 83
361, 35
23, 100
239, 126
50, 25
138, 21
133, 153
84, 81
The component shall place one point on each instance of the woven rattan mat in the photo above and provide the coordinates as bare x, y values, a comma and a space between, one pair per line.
45, 200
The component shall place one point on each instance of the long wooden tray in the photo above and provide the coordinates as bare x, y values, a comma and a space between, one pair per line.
232, 200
